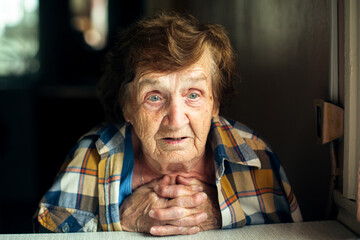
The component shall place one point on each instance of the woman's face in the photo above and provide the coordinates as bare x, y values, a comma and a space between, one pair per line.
171, 115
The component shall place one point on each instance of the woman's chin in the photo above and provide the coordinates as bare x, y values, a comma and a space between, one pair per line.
170, 145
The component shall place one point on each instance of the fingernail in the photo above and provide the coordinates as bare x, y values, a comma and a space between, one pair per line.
153, 230
203, 195
151, 213
204, 216
156, 188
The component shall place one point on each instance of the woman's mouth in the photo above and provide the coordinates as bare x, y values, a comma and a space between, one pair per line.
175, 140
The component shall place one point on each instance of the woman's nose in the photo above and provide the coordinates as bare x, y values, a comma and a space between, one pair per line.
176, 116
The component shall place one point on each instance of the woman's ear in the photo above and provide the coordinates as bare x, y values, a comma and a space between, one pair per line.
216, 110
127, 106
126, 112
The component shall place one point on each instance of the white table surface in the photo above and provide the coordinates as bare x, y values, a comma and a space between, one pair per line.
305, 230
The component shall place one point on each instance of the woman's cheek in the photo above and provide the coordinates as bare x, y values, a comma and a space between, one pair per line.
141, 125
146, 125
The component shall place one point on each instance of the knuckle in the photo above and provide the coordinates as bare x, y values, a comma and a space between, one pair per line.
179, 222
173, 191
201, 218
196, 188
190, 230
181, 230
184, 202
176, 191
156, 214
199, 198
153, 196
161, 189
179, 211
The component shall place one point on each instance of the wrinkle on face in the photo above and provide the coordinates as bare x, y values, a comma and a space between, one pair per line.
160, 126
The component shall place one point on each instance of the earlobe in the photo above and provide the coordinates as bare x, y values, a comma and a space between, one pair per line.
126, 117
216, 111
127, 108
126, 114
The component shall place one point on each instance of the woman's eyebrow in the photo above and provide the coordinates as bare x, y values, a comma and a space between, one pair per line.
196, 79
152, 81
148, 81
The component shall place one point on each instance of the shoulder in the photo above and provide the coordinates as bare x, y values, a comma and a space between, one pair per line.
105, 131
105, 137
75, 192
240, 133
94, 145
241, 144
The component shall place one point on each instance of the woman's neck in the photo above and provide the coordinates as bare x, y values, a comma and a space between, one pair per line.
203, 169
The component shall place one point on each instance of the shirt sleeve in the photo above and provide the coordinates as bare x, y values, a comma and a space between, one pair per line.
255, 190
71, 204
294, 208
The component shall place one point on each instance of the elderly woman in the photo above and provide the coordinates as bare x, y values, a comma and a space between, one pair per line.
166, 163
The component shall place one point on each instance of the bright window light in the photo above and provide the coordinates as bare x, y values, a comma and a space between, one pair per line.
91, 18
19, 42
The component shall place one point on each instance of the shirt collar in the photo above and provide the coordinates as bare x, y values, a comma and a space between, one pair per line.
228, 140
111, 137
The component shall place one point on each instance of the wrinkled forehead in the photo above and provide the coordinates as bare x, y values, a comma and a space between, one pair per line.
177, 80
203, 69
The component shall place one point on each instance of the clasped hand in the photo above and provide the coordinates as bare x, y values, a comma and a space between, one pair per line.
160, 208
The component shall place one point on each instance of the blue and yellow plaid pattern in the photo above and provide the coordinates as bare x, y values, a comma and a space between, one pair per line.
251, 183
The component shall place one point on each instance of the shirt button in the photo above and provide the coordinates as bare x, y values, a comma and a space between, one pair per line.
65, 228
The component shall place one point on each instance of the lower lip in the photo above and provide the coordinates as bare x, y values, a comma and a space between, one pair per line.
170, 141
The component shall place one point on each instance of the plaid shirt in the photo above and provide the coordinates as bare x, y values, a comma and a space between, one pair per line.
251, 183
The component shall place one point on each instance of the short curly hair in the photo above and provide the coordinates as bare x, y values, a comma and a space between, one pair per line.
167, 42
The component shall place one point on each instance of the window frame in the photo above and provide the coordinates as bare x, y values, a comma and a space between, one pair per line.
350, 72
351, 98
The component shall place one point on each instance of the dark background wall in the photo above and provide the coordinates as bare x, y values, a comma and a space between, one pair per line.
283, 62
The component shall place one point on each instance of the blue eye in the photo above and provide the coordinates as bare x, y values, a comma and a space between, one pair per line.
193, 95
154, 98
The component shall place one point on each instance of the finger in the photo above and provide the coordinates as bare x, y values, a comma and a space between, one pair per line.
165, 180
189, 221
188, 181
173, 191
188, 201
172, 213
173, 230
